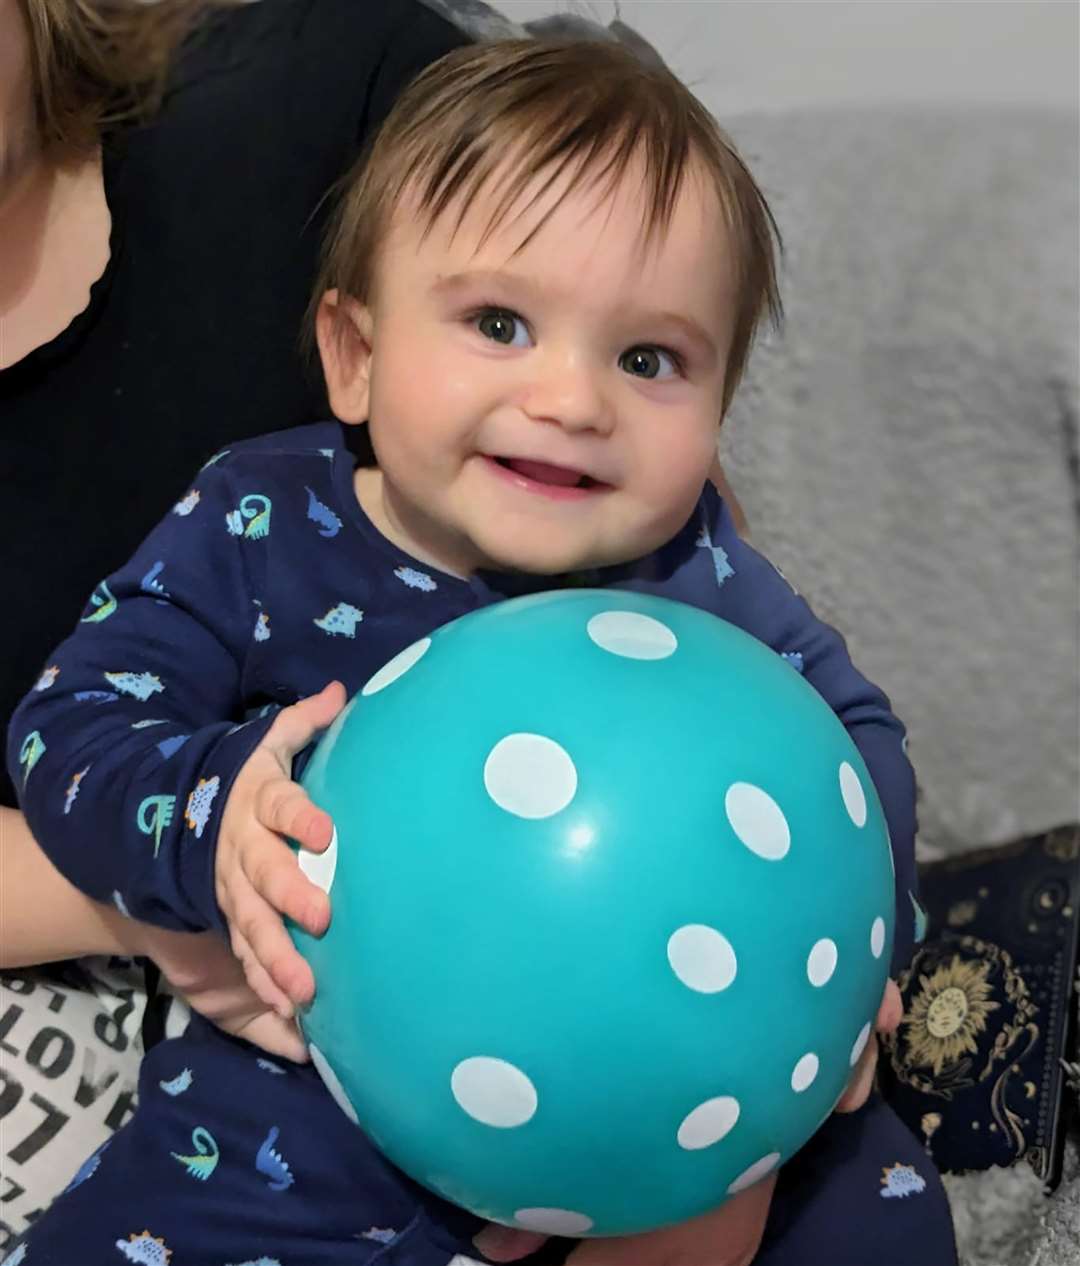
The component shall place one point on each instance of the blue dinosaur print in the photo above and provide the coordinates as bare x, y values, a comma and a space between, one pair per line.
118, 901
262, 628
255, 508
721, 566
340, 621
197, 813
216, 458
16, 1257
142, 725
139, 685
258, 1261
154, 815
268, 1066
96, 696
32, 750
272, 1165
794, 658
900, 1181
170, 746
47, 678
186, 504
145, 1249
415, 579
327, 453
380, 1234
178, 1084
317, 512
73, 789
87, 1169
150, 582
104, 605
202, 1165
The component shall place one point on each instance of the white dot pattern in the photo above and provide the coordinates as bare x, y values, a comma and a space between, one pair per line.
854, 797
821, 963
702, 958
860, 1044
530, 776
757, 820
554, 1221
396, 667
632, 635
804, 1073
877, 936
708, 1123
320, 868
331, 1082
493, 1092
755, 1173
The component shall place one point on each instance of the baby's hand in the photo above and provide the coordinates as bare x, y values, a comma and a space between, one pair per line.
889, 1015
256, 875
204, 971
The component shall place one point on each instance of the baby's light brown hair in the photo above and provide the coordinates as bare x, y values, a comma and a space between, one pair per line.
519, 109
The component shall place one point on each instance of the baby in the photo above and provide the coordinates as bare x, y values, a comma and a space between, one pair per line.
537, 299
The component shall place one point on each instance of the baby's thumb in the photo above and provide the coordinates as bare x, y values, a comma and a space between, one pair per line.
295, 726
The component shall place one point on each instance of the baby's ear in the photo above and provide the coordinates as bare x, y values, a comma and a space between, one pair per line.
343, 330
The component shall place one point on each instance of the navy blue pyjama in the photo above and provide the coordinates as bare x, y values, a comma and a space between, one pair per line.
236, 1159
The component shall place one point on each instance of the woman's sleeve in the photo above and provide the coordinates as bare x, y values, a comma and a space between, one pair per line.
125, 750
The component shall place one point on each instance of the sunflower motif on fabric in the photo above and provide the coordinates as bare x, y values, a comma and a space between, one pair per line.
948, 1013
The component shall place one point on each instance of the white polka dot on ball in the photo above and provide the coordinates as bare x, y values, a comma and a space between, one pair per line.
877, 936
331, 1082
757, 820
631, 635
708, 1123
755, 1173
493, 1092
530, 776
397, 667
554, 1221
702, 958
320, 868
852, 791
821, 962
860, 1044
804, 1072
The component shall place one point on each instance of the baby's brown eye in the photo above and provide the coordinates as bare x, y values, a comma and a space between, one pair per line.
648, 362
497, 326
643, 362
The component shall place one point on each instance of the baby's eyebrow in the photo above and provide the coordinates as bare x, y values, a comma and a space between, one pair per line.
448, 285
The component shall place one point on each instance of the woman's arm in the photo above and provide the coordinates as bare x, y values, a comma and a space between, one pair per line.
43, 918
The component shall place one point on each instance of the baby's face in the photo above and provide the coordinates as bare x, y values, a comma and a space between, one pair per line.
554, 409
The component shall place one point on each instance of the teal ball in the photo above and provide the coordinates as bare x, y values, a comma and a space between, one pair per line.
612, 906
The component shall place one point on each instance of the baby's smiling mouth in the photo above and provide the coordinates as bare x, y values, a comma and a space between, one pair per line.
547, 473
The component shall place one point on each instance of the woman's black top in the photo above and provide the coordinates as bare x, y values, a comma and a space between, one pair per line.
191, 336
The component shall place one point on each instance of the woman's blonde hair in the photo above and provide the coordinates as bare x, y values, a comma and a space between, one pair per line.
531, 107
95, 62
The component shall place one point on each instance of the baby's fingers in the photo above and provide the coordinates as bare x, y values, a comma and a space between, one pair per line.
891, 1011
271, 947
283, 806
271, 868
257, 977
